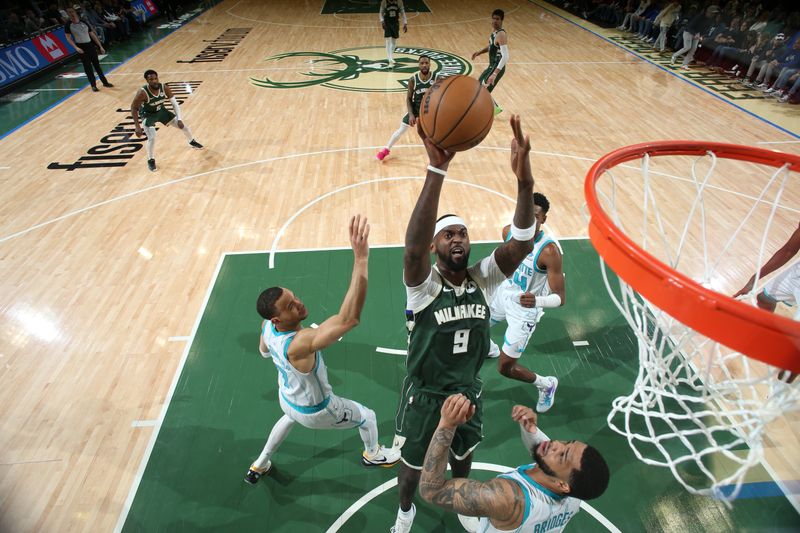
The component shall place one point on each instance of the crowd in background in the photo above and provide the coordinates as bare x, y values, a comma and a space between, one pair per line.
757, 43
111, 20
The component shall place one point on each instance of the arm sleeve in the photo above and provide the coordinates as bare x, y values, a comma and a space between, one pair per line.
176, 108
403, 11
531, 440
380, 10
503, 56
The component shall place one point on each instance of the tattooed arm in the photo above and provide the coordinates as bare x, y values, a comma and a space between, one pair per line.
500, 500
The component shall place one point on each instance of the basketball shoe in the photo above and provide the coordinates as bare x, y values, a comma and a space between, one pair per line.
384, 457
547, 396
403, 525
254, 474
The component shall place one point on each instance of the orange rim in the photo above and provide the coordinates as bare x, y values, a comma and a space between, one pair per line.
757, 333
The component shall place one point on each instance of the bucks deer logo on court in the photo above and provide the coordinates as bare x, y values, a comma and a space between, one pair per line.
363, 69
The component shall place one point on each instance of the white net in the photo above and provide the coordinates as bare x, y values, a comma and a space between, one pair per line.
697, 407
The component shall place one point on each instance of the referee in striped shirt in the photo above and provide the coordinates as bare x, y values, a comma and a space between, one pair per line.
83, 38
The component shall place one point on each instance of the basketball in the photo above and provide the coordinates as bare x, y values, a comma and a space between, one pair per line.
456, 113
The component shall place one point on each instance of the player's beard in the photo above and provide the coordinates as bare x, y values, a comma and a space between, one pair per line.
457, 265
541, 464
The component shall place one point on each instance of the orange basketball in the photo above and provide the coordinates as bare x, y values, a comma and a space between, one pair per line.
456, 113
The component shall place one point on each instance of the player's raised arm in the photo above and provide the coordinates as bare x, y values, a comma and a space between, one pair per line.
509, 254
500, 500
419, 233
778, 259
310, 340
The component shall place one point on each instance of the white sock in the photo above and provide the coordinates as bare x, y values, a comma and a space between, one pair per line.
406, 515
389, 48
369, 430
397, 134
185, 129
542, 381
150, 132
276, 436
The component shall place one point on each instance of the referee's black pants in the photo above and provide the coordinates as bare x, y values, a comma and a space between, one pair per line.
89, 59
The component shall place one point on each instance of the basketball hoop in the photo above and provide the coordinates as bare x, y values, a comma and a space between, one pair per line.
707, 386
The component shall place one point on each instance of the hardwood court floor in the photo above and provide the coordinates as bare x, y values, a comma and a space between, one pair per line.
105, 269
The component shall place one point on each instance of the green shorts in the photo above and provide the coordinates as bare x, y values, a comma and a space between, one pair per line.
162, 115
488, 72
392, 29
417, 418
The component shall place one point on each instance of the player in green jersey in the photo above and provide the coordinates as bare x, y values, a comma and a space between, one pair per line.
149, 104
390, 13
448, 317
417, 85
498, 55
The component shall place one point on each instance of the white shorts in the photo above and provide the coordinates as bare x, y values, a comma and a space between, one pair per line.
337, 413
785, 287
521, 320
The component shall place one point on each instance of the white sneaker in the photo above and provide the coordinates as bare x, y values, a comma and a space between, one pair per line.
469, 523
384, 457
547, 396
404, 525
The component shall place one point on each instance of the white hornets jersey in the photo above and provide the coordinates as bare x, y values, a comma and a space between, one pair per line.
306, 393
529, 277
545, 511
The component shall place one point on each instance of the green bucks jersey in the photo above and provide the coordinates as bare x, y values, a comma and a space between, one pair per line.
494, 49
154, 102
391, 12
449, 329
420, 87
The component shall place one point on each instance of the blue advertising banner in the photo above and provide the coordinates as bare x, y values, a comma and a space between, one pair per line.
23, 59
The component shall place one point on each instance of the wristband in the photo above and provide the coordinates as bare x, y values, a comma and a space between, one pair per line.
437, 170
523, 234
551, 300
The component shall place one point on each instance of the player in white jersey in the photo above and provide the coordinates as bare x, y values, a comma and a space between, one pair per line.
785, 287
304, 393
535, 498
538, 283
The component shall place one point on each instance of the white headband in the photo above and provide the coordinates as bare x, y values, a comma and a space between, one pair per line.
450, 220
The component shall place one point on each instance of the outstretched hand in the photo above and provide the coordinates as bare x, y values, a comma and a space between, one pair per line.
520, 152
456, 410
359, 233
746, 289
525, 417
438, 158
